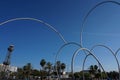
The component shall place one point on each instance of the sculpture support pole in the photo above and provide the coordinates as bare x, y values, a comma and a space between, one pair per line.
112, 54
89, 12
66, 44
84, 65
117, 52
74, 55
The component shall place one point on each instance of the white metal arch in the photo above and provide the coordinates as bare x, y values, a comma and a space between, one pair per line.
117, 51
74, 56
40, 21
58, 52
84, 66
99, 45
89, 12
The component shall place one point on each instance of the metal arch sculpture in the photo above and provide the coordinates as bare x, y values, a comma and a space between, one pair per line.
66, 44
84, 66
85, 18
83, 25
117, 52
112, 54
76, 52
40, 21
58, 52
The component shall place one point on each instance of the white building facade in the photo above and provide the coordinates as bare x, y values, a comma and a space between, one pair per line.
9, 68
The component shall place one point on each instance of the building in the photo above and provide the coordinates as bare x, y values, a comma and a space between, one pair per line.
9, 68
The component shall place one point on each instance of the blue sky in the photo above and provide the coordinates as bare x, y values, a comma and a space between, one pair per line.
34, 41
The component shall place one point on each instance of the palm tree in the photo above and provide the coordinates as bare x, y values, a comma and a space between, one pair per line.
63, 66
91, 69
96, 68
58, 65
94, 71
49, 67
27, 70
42, 64
20, 73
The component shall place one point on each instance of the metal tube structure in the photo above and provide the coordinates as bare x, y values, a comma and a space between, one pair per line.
85, 19
96, 60
112, 54
89, 12
74, 55
40, 21
58, 52
117, 52
64, 45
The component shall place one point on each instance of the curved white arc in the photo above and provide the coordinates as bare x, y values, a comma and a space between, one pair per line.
74, 55
34, 19
112, 54
117, 52
66, 44
85, 18
96, 60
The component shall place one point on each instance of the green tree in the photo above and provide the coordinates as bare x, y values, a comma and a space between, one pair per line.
20, 73
35, 72
91, 70
42, 64
96, 68
113, 75
63, 66
58, 66
77, 75
27, 70
94, 71
49, 68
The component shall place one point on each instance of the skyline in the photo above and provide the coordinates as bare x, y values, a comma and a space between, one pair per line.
34, 41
